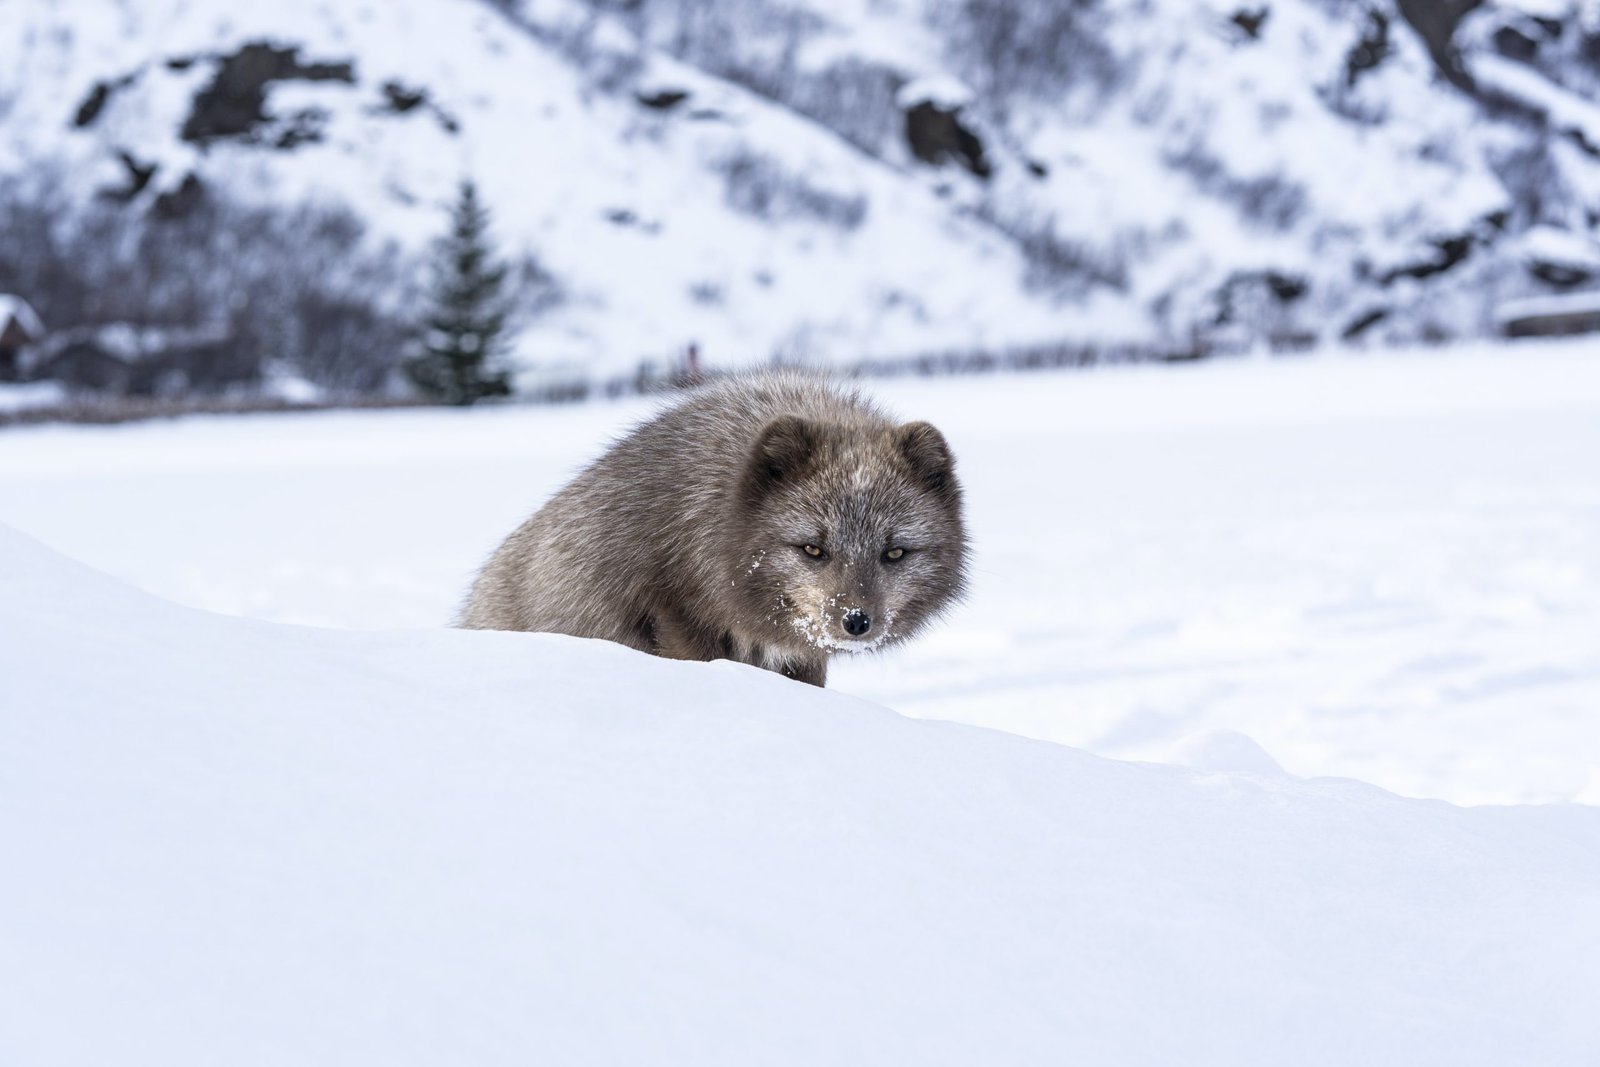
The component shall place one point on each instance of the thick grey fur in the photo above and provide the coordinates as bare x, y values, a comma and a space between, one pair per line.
686, 539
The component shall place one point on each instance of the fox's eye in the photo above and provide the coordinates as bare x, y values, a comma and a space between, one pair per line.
894, 553
815, 551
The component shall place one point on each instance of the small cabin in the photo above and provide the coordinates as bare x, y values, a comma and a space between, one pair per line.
20, 329
121, 359
1563, 315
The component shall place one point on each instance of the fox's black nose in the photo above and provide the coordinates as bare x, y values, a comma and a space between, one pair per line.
857, 623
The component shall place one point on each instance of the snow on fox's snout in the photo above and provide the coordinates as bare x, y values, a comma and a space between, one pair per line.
858, 532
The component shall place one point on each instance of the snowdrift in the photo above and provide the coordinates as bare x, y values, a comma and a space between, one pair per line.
233, 841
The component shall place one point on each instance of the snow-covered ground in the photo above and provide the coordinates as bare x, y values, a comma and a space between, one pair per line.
1381, 568
14, 397
229, 841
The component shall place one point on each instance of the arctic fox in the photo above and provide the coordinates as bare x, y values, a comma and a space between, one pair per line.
773, 519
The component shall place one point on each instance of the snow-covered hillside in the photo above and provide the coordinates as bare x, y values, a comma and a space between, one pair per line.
727, 221
233, 841
1379, 568
836, 180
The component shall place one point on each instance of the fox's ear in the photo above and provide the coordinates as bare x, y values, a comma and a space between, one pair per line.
784, 450
926, 454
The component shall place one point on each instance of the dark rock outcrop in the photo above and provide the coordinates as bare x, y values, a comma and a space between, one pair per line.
176, 203
1515, 43
1250, 20
1362, 323
937, 134
1435, 22
1558, 274
95, 103
400, 98
1448, 253
233, 105
663, 100
1371, 50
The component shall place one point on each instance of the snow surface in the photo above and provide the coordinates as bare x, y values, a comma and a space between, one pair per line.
16, 396
230, 841
941, 90
1380, 568
1550, 245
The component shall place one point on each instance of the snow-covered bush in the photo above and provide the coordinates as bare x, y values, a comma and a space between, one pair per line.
759, 185
1026, 48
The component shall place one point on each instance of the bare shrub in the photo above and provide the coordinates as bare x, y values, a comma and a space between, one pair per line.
299, 286
1034, 48
1056, 263
760, 185
1270, 202
853, 97
754, 44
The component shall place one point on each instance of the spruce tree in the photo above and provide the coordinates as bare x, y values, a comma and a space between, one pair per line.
460, 361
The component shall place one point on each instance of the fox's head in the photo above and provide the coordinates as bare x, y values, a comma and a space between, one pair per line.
849, 537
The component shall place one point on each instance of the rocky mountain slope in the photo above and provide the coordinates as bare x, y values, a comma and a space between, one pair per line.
831, 181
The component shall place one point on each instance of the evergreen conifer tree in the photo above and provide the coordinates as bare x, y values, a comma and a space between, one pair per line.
460, 361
